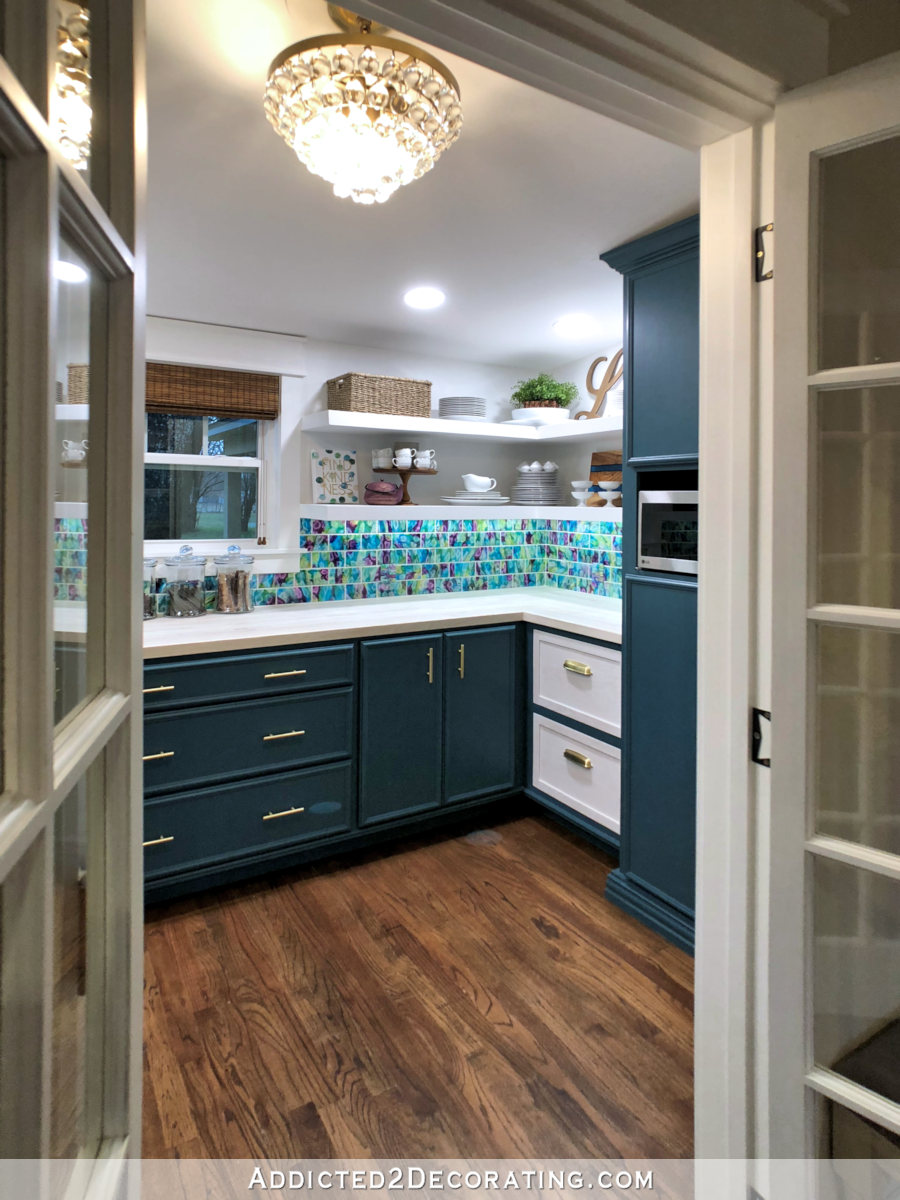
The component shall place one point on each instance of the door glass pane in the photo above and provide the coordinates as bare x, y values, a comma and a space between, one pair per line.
859, 497
72, 457
859, 296
856, 975
857, 748
75, 1071
844, 1134
70, 102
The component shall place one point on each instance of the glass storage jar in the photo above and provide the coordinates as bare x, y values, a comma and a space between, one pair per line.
150, 588
185, 583
233, 581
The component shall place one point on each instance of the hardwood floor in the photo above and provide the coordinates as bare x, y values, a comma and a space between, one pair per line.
468, 997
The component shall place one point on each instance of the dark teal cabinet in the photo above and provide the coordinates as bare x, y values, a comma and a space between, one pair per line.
662, 334
659, 766
481, 713
401, 709
655, 879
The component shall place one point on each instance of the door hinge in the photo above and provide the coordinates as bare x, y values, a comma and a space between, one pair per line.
760, 271
760, 729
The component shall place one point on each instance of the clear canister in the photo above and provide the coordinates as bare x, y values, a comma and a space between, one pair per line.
150, 588
233, 581
185, 583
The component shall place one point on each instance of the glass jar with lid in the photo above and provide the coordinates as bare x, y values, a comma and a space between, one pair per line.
150, 588
233, 581
185, 583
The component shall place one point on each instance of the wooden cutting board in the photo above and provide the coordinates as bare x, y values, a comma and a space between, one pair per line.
606, 465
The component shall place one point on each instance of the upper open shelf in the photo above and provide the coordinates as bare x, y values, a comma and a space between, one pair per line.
603, 432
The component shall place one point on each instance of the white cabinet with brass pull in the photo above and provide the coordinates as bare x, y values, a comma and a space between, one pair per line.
578, 679
579, 771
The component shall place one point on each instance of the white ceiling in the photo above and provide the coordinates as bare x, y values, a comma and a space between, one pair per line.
509, 223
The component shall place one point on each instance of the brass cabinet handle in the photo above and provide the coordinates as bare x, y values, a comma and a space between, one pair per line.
161, 754
160, 841
581, 759
462, 660
431, 664
277, 737
288, 812
166, 687
282, 674
577, 668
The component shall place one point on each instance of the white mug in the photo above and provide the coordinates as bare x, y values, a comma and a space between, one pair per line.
425, 464
479, 483
402, 461
425, 454
74, 451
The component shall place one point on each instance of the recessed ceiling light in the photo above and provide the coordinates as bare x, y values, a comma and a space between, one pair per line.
69, 272
576, 326
424, 297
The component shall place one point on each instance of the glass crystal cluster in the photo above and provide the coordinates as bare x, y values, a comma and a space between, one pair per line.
72, 101
367, 119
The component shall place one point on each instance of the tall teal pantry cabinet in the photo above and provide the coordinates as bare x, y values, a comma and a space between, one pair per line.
655, 878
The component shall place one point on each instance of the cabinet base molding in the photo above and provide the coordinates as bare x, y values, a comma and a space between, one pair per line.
628, 895
219, 874
605, 839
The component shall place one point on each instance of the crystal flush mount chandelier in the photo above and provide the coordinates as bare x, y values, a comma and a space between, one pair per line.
368, 113
72, 99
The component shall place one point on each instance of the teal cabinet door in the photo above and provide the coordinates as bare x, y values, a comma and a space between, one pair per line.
482, 721
400, 727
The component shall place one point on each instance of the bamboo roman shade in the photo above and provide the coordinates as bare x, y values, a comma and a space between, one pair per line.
208, 391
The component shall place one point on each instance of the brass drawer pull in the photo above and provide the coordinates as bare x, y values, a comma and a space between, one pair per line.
282, 674
166, 687
160, 841
277, 737
462, 660
161, 754
581, 759
288, 812
577, 668
431, 664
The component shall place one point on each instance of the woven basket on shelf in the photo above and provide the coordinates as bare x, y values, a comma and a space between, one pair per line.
385, 394
79, 383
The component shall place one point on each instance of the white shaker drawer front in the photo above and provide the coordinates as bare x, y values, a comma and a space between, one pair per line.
579, 680
581, 772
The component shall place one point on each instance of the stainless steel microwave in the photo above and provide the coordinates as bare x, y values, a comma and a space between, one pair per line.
667, 532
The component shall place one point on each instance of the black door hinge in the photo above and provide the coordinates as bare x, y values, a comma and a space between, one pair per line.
759, 737
760, 274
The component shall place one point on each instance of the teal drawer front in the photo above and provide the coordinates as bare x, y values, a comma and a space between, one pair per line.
172, 683
238, 820
197, 745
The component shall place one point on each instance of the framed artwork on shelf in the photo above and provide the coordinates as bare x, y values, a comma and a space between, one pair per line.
334, 477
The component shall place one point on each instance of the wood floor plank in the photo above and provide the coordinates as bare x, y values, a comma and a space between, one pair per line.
458, 997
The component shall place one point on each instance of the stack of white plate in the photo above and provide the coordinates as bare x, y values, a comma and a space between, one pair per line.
466, 497
462, 408
537, 487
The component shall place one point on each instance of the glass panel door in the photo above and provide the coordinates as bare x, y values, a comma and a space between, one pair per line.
834, 933
70, 707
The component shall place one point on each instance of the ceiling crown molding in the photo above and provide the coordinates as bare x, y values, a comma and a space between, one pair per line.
610, 57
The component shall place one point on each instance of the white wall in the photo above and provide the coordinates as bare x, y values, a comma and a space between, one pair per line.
311, 363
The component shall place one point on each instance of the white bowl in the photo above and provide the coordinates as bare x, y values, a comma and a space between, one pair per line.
581, 485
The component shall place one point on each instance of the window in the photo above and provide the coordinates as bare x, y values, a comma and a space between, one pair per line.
203, 478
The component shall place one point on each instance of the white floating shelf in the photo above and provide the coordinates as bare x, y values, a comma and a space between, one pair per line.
73, 412
431, 512
601, 431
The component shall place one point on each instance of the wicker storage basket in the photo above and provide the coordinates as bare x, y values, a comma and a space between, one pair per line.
385, 394
79, 383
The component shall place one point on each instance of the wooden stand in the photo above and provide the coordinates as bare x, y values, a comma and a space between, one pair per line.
404, 473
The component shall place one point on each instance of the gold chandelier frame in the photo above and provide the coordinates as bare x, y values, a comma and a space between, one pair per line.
409, 49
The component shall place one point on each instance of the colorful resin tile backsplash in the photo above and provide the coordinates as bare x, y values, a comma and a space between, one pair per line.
356, 560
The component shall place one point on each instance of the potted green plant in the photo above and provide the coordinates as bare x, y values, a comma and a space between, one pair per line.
543, 391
